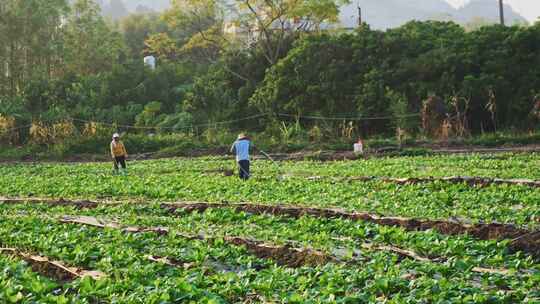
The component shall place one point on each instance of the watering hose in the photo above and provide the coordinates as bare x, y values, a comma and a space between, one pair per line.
268, 156
280, 177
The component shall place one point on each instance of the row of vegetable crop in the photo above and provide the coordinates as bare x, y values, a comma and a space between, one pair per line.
501, 203
141, 282
319, 233
324, 234
508, 166
495, 166
132, 278
123, 257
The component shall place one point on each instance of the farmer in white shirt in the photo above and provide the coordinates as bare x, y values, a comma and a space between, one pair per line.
358, 147
241, 148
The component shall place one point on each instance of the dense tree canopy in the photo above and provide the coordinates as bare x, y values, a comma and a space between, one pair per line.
62, 60
351, 74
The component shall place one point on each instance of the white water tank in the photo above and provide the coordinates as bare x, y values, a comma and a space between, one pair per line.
150, 61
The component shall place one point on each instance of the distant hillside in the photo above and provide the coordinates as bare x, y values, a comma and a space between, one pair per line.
487, 9
117, 9
156, 5
383, 14
379, 14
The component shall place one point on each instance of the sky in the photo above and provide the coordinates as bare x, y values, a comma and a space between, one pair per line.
529, 9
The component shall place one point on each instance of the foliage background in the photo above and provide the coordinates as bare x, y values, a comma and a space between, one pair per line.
65, 64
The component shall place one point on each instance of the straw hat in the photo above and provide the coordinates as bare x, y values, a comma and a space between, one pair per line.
242, 136
116, 135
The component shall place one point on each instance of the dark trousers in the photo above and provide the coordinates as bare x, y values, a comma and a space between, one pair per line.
243, 169
119, 160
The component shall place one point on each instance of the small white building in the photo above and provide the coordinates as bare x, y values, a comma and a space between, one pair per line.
150, 61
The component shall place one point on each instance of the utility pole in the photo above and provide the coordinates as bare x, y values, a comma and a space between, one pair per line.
359, 15
501, 11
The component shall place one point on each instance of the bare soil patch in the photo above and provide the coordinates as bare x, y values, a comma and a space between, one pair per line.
55, 270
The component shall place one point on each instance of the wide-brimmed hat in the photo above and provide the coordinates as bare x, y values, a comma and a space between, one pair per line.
116, 135
242, 136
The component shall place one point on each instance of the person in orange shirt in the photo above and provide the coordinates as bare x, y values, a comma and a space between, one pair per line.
118, 153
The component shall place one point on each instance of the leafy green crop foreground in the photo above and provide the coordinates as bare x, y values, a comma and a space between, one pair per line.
19, 284
324, 234
220, 272
194, 180
122, 256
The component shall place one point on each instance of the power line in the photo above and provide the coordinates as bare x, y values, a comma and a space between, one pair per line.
220, 123
349, 118
209, 124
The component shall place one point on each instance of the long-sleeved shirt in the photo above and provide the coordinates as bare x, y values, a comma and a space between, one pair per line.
241, 148
118, 149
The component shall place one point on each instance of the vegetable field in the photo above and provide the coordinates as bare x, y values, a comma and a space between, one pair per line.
430, 229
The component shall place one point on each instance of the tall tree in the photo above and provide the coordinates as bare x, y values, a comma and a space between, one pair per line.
137, 28
270, 23
32, 34
266, 27
267, 24
198, 25
90, 45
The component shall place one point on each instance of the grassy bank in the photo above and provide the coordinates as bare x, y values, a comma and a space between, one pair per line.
170, 145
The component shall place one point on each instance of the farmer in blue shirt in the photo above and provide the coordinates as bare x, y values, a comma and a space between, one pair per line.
241, 148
